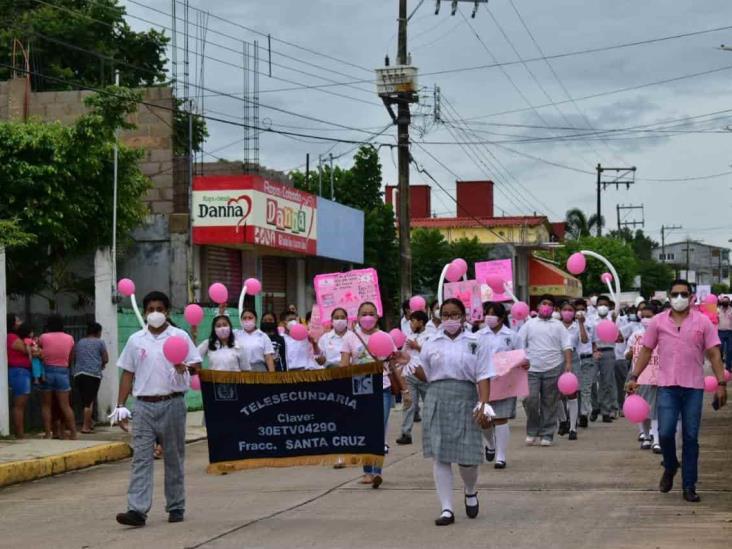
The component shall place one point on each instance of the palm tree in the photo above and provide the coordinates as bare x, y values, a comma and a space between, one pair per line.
579, 225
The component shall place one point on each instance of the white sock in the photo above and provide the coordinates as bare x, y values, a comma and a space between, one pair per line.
469, 475
489, 438
573, 407
654, 430
503, 433
641, 428
443, 482
562, 416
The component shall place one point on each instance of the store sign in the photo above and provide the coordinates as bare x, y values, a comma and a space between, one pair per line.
249, 209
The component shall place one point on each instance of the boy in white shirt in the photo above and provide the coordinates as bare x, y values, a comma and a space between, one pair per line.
416, 387
300, 354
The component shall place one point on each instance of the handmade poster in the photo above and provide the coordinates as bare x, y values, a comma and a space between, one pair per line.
347, 290
511, 379
467, 291
315, 326
287, 419
500, 267
702, 291
650, 374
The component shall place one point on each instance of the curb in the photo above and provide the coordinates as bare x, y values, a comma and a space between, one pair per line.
33, 469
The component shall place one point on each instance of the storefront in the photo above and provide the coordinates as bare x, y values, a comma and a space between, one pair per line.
546, 278
251, 226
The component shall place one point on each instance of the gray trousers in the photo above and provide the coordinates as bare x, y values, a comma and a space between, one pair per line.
164, 422
621, 374
417, 388
607, 392
541, 405
588, 370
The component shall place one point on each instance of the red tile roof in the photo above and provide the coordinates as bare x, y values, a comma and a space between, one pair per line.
469, 222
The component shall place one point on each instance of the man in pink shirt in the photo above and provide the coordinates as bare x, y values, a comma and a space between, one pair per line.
683, 337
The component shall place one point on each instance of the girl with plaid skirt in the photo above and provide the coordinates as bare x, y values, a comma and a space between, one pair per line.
455, 408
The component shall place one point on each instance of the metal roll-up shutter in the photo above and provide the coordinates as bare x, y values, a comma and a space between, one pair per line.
274, 284
224, 265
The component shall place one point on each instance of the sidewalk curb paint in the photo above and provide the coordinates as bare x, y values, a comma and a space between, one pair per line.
33, 469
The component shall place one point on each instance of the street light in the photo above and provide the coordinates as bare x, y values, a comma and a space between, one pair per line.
725, 48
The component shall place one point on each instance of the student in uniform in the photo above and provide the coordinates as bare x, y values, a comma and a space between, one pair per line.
607, 390
405, 322
454, 411
331, 343
587, 367
434, 322
160, 410
549, 351
579, 336
224, 353
497, 337
416, 387
300, 353
269, 327
256, 344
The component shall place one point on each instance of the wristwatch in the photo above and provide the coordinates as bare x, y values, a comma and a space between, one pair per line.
633, 377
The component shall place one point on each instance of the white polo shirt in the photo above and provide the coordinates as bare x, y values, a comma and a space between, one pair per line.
444, 358
545, 342
300, 354
154, 374
331, 346
256, 345
226, 359
586, 348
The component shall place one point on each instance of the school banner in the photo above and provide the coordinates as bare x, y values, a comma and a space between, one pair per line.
294, 418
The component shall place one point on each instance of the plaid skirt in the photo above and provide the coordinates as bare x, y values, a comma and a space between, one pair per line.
504, 408
449, 432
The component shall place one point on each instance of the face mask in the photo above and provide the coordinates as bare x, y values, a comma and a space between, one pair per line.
156, 319
545, 311
340, 324
367, 322
249, 325
593, 300
556, 315
603, 310
491, 321
223, 332
679, 304
280, 330
633, 318
291, 323
567, 316
436, 313
452, 326
268, 326
645, 322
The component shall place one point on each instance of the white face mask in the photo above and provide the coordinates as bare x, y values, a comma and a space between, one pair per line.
556, 315
156, 319
603, 310
679, 304
593, 300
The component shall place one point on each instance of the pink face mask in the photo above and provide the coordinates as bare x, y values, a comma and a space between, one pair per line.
340, 324
567, 316
545, 311
491, 321
452, 326
249, 325
367, 322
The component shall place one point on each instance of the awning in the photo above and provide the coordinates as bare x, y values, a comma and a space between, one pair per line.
545, 278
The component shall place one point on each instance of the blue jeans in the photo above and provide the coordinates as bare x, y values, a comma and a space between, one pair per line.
56, 379
388, 400
725, 337
672, 402
19, 380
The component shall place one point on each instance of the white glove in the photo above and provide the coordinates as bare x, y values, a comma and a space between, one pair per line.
119, 415
487, 410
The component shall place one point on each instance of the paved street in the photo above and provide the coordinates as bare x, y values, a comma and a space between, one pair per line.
598, 492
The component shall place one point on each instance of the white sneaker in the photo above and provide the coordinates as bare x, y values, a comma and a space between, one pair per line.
530, 441
546, 442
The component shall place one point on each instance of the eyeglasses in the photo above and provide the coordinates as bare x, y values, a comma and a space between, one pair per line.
453, 316
680, 294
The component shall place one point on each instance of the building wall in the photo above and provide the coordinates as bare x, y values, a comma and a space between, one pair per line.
709, 263
499, 235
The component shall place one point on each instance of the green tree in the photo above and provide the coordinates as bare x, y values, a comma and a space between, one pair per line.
641, 243
56, 184
718, 289
471, 250
654, 276
617, 251
430, 252
579, 225
12, 236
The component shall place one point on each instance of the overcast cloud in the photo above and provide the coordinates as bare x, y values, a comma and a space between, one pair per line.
363, 31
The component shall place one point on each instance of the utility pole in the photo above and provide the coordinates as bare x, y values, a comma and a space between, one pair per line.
332, 191
602, 185
664, 230
634, 223
320, 175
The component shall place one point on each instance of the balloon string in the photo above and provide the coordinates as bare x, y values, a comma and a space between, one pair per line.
507, 291
137, 311
241, 301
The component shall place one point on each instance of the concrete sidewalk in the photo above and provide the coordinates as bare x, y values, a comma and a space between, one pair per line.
34, 458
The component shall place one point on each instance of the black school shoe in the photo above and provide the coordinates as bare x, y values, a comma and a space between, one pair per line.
608, 419
583, 422
594, 414
500, 465
445, 521
690, 495
417, 418
131, 518
667, 480
175, 516
490, 454
573, 435
563, 428
404, 439
472, 510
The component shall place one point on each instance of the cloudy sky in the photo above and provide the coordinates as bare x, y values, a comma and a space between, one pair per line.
538, 127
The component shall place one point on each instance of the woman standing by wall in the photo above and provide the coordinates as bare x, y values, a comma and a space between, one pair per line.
91, 356
57, 347
256, 343
19, 370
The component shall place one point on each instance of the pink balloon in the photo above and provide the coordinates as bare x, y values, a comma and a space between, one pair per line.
576, 264
636, 409
380, 345
520, 310
607, 331
711, 299
495, 282
710, 384
298, 332
417, 303
462, 265
453, 273
218, 293
175, 349
568, 383
195, 383
727, 375
126, 287
253, 286
398, 337
193, 314
606, 278
327, 324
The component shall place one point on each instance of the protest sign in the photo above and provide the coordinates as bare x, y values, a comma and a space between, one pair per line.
511, 379
467, 291
500, 267
347, 290
315, 326
294, 418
